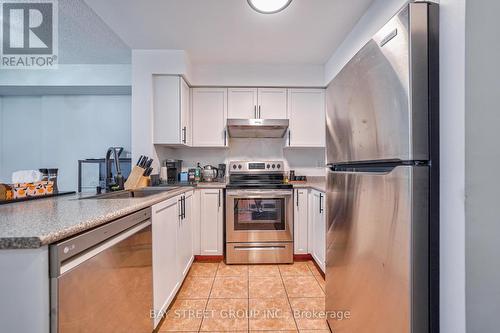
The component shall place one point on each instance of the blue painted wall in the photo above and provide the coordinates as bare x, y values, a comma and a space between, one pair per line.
57, 131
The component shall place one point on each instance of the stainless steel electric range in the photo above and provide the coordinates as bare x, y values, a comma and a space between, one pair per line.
259, 214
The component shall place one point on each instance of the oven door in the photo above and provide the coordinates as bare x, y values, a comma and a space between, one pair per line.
259, 215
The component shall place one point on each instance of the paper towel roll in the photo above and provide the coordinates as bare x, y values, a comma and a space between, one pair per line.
163, 173
26, 176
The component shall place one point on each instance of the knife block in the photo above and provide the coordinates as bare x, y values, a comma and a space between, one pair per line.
144, 182
135, 179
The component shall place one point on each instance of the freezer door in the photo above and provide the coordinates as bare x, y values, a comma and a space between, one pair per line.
377, 106
377, 251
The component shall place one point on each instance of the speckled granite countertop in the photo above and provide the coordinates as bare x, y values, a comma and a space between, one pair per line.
200, 185
317, 183
32, 224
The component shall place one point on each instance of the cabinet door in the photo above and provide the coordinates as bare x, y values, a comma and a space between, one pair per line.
166, 109
209, 111
272, 103
165, 220
318, 228
242, 103
195, 221
306, 112
186, 132
300, 221
211, 232
185, 236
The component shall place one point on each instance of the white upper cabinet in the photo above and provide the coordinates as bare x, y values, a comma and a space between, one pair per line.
186, 132
171, 110
209, 112
272, 103
242, 103
255, 103
306, 112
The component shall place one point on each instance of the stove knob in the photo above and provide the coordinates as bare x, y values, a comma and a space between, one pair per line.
268, 166
278, 166
274, 166
239, 166
234, 166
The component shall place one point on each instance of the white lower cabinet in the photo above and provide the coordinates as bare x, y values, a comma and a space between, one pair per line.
317, 227
185, 234
300, 221
165, 221
211, 221
172, 248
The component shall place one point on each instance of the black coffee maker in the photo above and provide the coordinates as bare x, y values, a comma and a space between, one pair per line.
174, 168
221, 173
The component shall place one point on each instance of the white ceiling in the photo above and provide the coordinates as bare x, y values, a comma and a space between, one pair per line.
230, 32
85, 39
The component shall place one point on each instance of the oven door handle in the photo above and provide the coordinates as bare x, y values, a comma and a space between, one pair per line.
254, 193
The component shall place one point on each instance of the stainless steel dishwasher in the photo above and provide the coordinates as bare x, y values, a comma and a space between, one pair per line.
102, 280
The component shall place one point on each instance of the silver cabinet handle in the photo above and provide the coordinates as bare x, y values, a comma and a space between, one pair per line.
184, 134
297, 193
183, 207
218, 198
180, 209
320, 202
255, 111
289, 137
259, 112
161, 210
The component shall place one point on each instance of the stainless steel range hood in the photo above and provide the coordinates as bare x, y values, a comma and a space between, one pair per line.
257, 128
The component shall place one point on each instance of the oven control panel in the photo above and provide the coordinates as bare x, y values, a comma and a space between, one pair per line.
256, 166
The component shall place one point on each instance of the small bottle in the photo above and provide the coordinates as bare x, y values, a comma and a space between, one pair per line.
197, 173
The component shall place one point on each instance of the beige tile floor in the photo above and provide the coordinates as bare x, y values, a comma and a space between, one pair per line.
216, 297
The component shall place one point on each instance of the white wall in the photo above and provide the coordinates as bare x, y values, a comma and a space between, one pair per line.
69, 75
305, 161
57, 131
482, 157
452, 136
258, 75
452, 68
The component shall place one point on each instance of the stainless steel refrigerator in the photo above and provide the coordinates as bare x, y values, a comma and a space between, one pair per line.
383, 181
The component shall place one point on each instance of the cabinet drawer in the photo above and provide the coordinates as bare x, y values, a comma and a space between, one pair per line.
262, 253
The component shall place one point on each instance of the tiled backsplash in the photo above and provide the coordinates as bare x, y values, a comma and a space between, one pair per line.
305, 161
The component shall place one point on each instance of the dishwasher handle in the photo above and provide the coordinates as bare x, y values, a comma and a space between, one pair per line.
80, 244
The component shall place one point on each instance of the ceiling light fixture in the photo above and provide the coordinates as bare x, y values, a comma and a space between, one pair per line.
269, 6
